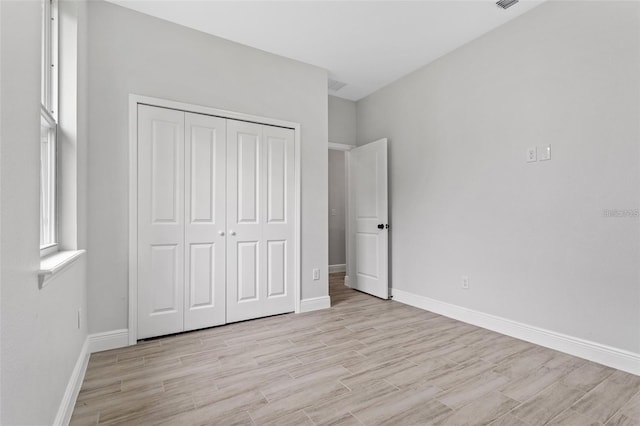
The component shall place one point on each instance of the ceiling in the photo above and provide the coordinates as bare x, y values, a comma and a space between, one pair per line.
365, 44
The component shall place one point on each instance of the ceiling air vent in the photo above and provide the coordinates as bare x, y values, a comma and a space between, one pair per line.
505, 4
334, 85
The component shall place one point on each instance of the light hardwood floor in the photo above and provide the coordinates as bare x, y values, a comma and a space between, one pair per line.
364, 361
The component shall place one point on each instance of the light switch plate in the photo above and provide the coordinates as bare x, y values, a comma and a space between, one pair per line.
545, 153
532, 155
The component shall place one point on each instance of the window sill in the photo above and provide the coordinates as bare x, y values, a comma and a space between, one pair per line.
56, 263
48, 250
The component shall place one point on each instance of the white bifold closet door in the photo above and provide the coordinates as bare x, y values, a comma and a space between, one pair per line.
260, 209
205, 219
160, 221
215, 221
181, 221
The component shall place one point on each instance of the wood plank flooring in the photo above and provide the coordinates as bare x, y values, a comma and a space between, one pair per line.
364, 361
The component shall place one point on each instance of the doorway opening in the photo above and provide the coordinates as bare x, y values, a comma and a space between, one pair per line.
358, 217
338, 215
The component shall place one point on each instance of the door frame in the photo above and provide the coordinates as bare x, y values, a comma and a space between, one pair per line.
134, 101
346, 148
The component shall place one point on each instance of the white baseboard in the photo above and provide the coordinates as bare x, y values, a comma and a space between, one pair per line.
347, 281
93, 343
592, 351
337, 268
68, 402
315, 304
112, 339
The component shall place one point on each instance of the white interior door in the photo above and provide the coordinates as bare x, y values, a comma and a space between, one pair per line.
160, 221
205, 221
260, 210
368, 211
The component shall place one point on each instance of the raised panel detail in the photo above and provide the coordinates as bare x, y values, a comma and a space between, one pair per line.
366, 203
164, 169
248, 146
203, 163
247, 271
164, 279
277, 268
201, 275
367, 255
276, 180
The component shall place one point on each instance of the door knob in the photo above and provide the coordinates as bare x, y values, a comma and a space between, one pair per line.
381, 226
232, 232
221, 233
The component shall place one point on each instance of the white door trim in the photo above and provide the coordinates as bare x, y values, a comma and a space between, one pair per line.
134, 100
346, 148
340, 146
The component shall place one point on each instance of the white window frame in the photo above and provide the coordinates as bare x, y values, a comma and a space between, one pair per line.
49, 120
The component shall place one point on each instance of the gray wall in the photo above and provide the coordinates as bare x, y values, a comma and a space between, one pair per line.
134, 53
342, 121
337, 210
39, 334
531, 237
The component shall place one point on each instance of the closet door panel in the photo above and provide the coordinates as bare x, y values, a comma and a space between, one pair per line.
247, 271
277, 269
201, 292
260, 184
276, 179
247, 185
244, 246
277, 218
160, 221
205, 213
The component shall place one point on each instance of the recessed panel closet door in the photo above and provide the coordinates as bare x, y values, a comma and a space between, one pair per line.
205, 216
277, 218
160, 221
259, 221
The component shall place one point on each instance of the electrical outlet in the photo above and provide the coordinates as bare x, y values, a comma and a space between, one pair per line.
532, 155
316, 274
465, 282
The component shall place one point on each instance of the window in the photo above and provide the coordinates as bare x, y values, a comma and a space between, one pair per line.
48, 128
